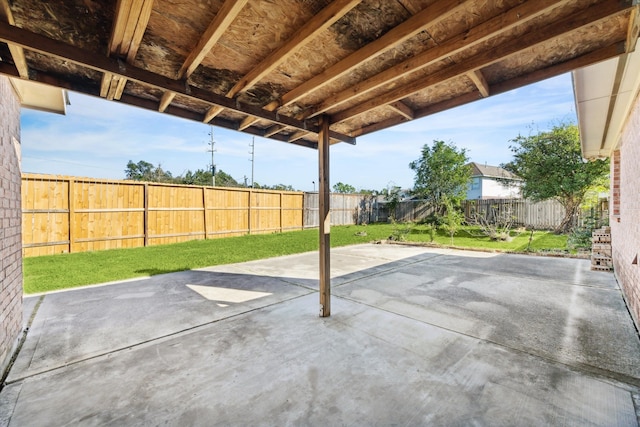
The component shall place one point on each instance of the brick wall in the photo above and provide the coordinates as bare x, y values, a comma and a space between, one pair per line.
10, 222
625, 227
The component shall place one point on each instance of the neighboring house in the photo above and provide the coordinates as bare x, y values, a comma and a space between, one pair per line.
492, 182
607, 97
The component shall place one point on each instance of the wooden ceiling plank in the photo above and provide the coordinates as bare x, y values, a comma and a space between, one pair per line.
320, 22
509, 48
247, 122
17, 54
430, 15
481, 83
478, 34
211, 113
226, 15
403, 109
165, 101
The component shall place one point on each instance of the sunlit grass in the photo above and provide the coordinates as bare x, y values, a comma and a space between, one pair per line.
46, 273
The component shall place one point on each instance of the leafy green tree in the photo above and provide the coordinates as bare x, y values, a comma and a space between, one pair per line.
551, 166
145, 171
225, 180
452, 218
441, 172
391, 196
199, 177
344, 188
283, 187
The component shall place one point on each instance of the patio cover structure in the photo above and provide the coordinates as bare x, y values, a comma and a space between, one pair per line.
310, 73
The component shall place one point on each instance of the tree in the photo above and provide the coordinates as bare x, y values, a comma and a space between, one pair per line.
551, 166
145, 171
441, 172
344, 188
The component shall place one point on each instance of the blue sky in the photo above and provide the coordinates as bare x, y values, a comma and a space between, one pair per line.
97, 138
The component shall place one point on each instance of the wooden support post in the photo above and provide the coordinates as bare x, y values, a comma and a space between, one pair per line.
325, 218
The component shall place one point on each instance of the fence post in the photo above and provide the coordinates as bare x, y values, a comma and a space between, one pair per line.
145, 192
281, 207
204, 213
249, 208
72, 214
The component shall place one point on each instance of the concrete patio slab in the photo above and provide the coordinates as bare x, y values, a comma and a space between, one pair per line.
417, 336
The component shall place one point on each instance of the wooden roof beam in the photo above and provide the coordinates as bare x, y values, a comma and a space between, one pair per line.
130, 23
403, 109
211, 113
465, 40
509, 48
17, 54
165, 101
226, 15
481, 83
599, 55
320, 22
85, 58
247, 122
298, 135
274, 130
430, 15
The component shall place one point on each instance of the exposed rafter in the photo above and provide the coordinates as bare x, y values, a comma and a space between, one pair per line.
130, 22
511, 47
226, 15
16, 51
412, 26
248, 121
85, 58
320, 22
166, 99
211, 113
481, 83
599, 55
456, 44
403, 109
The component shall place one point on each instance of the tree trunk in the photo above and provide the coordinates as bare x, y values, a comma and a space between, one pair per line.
571, 207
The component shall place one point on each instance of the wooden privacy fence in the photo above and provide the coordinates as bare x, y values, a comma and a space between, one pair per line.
539, 215
69, 214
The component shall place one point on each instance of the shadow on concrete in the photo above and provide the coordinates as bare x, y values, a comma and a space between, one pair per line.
417, 336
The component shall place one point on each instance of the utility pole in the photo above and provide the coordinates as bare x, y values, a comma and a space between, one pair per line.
252, 159
212, 150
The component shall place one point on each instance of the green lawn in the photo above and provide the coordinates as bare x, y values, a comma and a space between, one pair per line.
53, 272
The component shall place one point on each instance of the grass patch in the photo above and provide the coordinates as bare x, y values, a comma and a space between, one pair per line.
46, 273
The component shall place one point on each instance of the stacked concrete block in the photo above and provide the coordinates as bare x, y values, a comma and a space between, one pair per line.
601, 250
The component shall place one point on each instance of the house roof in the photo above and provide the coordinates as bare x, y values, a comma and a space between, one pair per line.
491, 172
605, 94
274, 68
